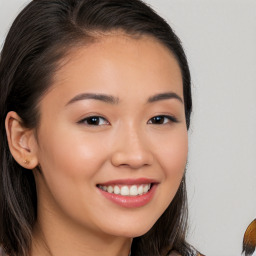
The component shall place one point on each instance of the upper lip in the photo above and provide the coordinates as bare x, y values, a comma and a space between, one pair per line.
129, 181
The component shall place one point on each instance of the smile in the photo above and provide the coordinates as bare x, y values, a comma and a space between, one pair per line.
130, 193
127, 190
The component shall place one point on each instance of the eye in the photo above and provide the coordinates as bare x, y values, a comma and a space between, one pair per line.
163, 119
94, 121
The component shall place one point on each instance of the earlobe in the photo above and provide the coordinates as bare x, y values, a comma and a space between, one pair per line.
21, 141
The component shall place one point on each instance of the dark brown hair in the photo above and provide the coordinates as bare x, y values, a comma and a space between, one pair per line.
41, 36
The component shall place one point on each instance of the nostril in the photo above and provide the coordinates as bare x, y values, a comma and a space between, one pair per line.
132, 159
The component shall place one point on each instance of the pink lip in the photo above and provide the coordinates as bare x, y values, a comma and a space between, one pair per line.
130, 201
129, 182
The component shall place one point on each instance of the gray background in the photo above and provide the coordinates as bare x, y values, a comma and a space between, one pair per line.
220, 41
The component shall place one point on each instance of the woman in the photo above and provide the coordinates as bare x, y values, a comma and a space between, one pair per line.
95, 106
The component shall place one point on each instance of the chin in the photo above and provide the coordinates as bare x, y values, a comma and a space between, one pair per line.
131, 230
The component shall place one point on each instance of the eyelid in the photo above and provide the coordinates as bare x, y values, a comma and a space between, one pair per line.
171, 118
83, 120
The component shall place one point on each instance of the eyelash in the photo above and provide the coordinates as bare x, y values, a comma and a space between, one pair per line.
171, 119
90, 118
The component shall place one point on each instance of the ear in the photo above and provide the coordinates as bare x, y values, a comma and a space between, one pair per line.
21, 140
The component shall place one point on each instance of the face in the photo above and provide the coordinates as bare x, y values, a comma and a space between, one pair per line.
112, 139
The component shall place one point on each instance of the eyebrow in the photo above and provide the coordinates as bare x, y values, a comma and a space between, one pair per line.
164, 96
95, 96
115, 100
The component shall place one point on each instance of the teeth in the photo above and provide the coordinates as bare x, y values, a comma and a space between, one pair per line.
124, 190
116, 190
146, 188
133, 190
110, 189
140, 190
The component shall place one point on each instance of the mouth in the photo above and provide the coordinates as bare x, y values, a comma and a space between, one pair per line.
129, 193
126, 190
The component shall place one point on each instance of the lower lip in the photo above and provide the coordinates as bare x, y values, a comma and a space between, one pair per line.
130, 201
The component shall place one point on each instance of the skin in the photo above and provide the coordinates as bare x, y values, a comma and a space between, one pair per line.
73, 216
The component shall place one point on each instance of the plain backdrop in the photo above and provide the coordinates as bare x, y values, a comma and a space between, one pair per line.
219, 38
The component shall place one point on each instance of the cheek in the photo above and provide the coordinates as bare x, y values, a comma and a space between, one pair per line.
69, 161
172, 154
173, 158
70, 153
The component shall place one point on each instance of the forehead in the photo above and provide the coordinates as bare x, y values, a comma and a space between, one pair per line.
118, 64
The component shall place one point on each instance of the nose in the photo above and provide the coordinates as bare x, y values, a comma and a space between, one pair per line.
132, 150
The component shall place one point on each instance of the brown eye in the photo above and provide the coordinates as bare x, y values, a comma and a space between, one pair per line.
94, 121
162, 120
